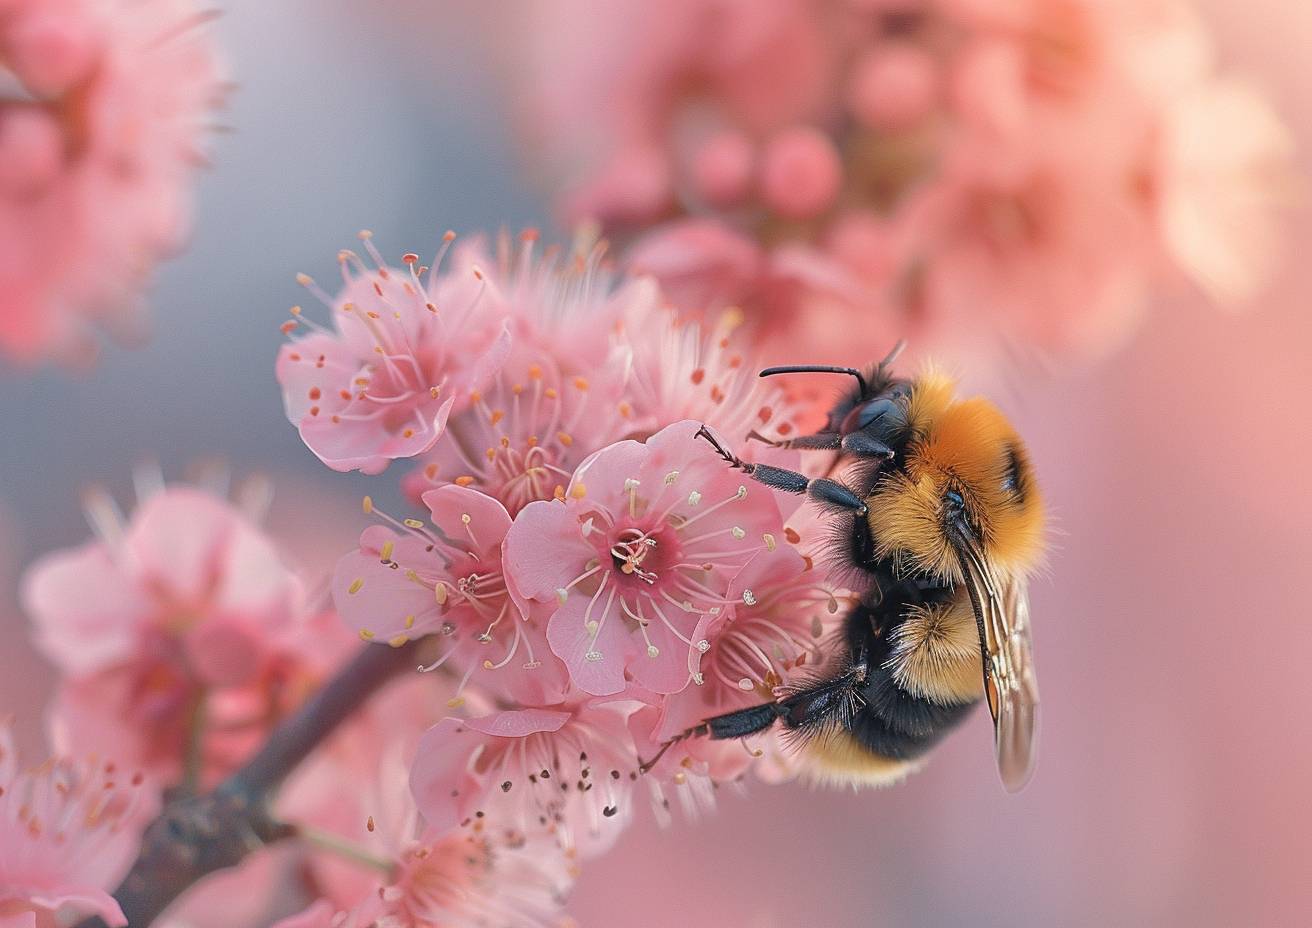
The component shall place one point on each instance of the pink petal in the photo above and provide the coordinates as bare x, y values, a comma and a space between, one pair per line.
517, 723
440, 774
372, 597
178, 542
544, 550
488, 521
572, 642
88, 611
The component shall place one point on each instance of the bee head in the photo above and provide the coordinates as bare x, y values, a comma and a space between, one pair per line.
966, 484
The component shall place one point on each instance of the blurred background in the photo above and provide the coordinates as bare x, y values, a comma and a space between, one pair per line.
1170, 631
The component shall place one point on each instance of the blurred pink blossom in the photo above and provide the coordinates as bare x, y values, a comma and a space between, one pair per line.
98, 148
436, 875
963, 172
456, 879
69, 830
181, 617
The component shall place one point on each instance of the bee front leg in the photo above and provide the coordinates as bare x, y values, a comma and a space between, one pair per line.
828, 493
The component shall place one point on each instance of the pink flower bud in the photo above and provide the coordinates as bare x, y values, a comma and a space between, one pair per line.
801, 174
722, 168
892, 87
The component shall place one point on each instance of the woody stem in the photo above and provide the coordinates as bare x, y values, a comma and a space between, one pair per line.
196, 835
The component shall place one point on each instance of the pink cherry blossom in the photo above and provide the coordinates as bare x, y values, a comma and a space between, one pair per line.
182, 607
686, 370
458, 878
1224, 173
69, 830
404, 347
965, 173
649, 538
754, 651
438, 875
620, 72
98, 150
561, 392
446, 580
568, 772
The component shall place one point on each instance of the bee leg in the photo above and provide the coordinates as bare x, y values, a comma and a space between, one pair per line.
820, 441
865, 445
826, 492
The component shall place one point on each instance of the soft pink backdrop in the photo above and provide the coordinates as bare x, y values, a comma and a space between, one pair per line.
1171, 634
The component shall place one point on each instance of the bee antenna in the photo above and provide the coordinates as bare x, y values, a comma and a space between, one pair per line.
817, 369
892, 356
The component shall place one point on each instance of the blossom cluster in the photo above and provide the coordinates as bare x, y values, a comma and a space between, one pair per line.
103, 110
582, 577
585, 578
854, 171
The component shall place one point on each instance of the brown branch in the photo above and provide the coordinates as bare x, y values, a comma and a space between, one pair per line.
196, 835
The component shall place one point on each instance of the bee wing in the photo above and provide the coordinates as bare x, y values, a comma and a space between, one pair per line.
1015, 690
1003, 612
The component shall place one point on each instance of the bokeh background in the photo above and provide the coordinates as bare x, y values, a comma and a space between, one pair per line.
1172, 632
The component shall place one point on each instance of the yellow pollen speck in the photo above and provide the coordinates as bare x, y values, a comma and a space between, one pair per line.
565, 438
491, 454
578, 490
498, 415
671, 477
625, 410
487, 665
455, 702
475, 396
408, 433
535, 372
464, 517
464, 481
304, 280
737, 532
414, 523
397, 641
580, 383
439, 593
434, 391
386, 553
550, 393
409, 621
355, 586
366, 635
558, 493
770, 543
368, 504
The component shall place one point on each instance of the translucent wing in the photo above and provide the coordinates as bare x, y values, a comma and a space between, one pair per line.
1003, 611
1015, 691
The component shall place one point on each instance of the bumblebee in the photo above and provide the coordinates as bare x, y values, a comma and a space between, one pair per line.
940, 516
